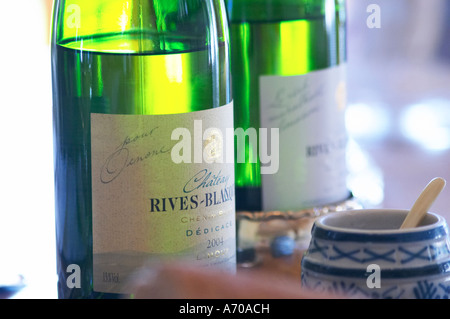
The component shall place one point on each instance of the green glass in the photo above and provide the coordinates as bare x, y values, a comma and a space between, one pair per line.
276, 37
123, 57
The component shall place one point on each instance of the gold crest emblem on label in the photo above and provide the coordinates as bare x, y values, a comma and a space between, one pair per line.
341, 96
213, 145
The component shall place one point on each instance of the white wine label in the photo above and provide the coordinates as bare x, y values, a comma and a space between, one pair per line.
309, 111
148, 205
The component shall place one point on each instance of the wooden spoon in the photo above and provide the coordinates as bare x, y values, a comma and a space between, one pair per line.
423, 203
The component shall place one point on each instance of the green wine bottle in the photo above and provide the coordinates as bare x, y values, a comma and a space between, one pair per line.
139, 87
288, 63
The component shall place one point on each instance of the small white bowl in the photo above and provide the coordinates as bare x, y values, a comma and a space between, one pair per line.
364, 253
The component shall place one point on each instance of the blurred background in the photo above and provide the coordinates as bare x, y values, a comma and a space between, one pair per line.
399, 99
398, 118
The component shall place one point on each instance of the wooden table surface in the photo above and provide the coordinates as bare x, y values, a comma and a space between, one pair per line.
285, 269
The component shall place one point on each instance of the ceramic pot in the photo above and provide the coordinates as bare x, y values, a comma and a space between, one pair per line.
364, 254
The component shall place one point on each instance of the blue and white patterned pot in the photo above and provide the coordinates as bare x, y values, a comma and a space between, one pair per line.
363, 253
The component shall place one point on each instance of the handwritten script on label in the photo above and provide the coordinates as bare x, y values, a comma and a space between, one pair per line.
123, 158
290, 107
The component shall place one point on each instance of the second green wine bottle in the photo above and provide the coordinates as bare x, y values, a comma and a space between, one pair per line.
288, 65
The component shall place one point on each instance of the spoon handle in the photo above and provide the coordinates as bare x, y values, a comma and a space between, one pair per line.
423, 203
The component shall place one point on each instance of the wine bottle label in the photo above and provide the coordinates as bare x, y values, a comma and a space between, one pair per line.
158, 195
309, 112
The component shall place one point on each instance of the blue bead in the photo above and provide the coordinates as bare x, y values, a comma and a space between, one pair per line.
282, 246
